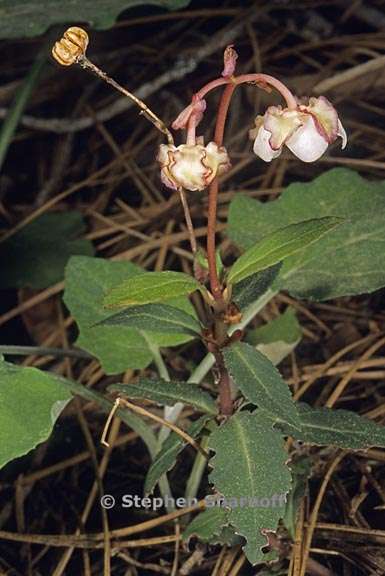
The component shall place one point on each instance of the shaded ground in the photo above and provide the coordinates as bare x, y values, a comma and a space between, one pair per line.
107, 171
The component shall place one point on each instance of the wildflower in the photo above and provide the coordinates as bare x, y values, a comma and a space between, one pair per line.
192, 166
306, 130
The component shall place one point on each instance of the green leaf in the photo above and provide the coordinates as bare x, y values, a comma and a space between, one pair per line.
250, 289
160, 317
166, 457
348, 260
19, 18
260, 382
166, 393
278, 245
324, 426
277, 338
249, 470
300, 471
30, 402
151, 287
208, 524
36, 255
117, 347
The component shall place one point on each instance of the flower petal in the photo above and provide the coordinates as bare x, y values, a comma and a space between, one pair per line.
191, 166
281, 124
341, 132
307, 143
262, 146
325, 117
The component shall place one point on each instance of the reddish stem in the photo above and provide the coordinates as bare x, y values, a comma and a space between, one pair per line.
266, 79
225, 400
215, 285
211, 85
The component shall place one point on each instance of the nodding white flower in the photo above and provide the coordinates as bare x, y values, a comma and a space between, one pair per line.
191, 166
306, 131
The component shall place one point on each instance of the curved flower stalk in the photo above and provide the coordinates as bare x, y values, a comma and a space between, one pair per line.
306, 131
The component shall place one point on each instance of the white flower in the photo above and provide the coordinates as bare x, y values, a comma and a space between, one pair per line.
306, 131
191, 166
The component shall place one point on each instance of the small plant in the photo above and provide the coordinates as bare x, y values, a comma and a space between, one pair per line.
301, 243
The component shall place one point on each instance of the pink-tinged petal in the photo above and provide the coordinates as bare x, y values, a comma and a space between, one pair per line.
281, 124
198, 108
325, 117
216, 160
167, 181
307, 143
342, 134
229, 60
262, 146
182, 118
188, 170
191, 166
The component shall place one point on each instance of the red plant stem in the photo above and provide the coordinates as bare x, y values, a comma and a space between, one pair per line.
255, 78
215, 285
225, 400
266, 79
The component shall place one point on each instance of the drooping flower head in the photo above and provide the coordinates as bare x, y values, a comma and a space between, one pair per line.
192, 166
306, 131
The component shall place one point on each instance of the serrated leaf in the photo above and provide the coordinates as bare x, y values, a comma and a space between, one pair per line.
277, 338
279, 245
250, 289
207, 524
159, 317
348, 260
116, 347
30, 402
150, 287
326, 426
166, 393
36, 255
260, 382
249, 463
20, 18
167, 455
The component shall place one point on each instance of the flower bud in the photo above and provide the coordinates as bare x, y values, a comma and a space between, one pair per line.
72, 45
306, 131
191, 166
229, 61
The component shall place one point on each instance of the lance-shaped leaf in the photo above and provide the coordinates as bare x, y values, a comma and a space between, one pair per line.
250, 472
159, 317
208, 524
167, 455
260, 382
30, 402
151, 287
166, 393
349, 259
250, 289
325, 426
278, 245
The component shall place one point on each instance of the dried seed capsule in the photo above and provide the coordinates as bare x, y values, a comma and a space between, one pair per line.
72, 45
